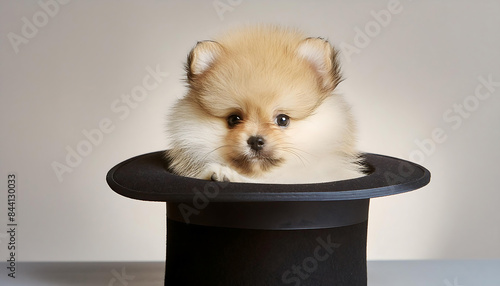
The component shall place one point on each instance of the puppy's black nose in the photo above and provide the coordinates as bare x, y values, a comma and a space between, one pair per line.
256, 142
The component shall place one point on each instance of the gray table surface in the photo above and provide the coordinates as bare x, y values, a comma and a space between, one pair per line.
386, 273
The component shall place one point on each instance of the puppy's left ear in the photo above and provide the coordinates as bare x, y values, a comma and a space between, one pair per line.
202, 57
323, 59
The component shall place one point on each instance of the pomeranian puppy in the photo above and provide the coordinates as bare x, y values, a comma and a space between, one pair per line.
260, 108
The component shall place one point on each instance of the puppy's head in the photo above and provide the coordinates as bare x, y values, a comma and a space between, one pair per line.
260, 83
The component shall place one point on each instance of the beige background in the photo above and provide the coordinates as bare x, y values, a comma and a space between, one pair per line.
70, 73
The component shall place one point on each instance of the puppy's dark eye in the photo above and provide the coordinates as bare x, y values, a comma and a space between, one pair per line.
282, 120
233, 120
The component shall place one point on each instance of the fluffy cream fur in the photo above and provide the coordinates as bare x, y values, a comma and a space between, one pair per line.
240, 86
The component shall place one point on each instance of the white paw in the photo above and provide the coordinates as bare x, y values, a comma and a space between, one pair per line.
221, 173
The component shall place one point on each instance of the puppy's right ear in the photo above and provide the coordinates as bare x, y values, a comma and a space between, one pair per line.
323, 59
202, 57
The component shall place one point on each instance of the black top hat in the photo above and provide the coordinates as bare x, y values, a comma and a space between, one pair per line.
222, 233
